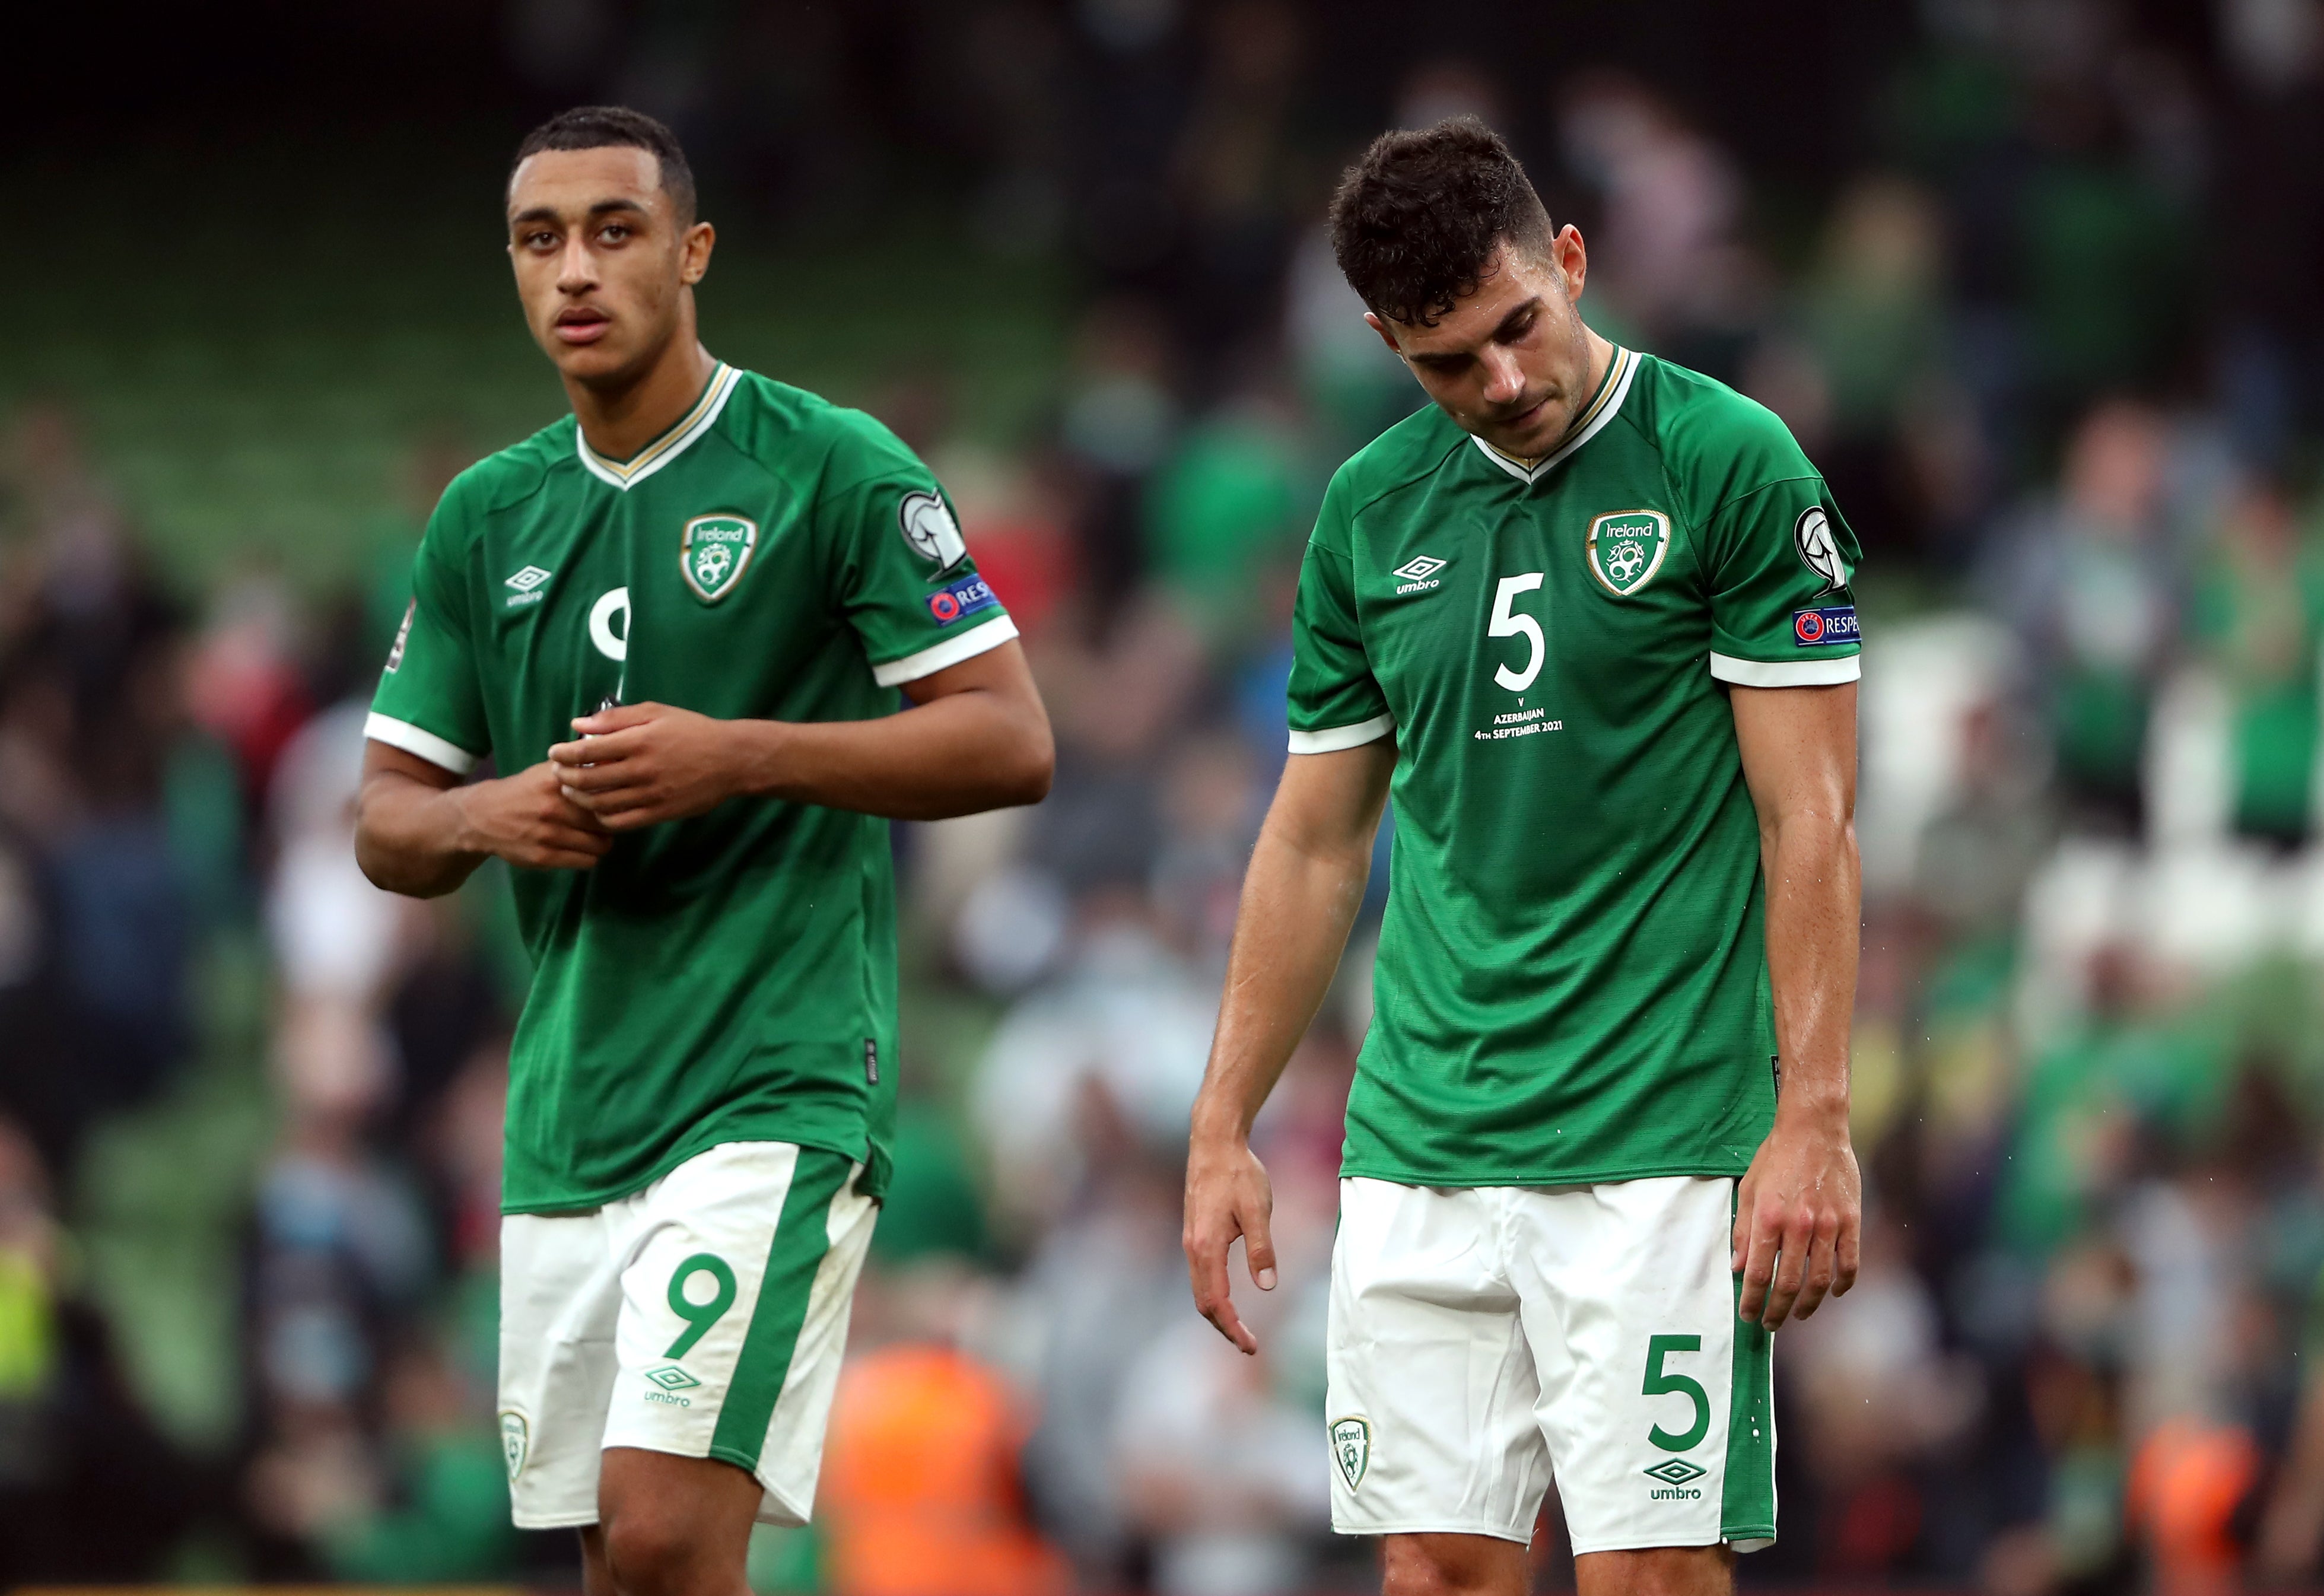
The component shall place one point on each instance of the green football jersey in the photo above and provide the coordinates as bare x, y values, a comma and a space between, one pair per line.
1571, 983
731, 977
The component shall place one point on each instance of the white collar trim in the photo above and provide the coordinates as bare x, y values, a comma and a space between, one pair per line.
1593, 421
627, 474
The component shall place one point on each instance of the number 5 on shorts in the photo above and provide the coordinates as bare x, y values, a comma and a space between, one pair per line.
700, 1316
1660, 1384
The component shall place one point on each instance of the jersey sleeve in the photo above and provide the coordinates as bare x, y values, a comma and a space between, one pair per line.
429, 702
1782, 613
1335, 701
903, 578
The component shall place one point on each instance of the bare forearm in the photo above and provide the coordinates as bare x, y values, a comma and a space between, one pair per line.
1814, 891
1299, 897
410, 838
954, 755
1799, 1207
1298, 905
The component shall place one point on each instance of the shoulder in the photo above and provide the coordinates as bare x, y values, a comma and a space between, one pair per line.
502, 480
1716, 444
1410, 452
801, 435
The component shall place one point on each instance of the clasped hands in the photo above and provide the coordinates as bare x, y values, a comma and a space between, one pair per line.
641, 764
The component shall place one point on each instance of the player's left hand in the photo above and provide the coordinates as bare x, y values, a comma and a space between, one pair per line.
641, 764
1798, 1216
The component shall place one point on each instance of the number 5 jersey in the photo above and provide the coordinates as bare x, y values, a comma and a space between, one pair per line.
1571, 983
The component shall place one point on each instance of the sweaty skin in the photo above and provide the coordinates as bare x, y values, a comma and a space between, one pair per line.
1513, 362
605, 269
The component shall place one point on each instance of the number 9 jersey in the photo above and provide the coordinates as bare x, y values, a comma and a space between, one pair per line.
1571, 982
730, 977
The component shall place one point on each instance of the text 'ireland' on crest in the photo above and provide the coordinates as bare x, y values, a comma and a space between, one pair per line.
713, 552
1626, 548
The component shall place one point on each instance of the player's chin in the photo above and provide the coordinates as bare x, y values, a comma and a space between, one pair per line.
1527, 442
608, 356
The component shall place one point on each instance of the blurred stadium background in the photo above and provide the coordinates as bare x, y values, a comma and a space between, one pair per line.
2036, 281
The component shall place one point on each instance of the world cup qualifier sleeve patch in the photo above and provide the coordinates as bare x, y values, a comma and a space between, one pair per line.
970, 594
1813, 629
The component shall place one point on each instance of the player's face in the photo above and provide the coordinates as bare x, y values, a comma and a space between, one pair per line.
603, 265
1510, 362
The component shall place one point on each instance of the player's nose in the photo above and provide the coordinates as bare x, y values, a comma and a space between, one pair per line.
1504, 383
576, 270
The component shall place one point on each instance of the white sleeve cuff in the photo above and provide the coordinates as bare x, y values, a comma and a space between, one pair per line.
1785, 673
978, 638
1332, 739
427, 745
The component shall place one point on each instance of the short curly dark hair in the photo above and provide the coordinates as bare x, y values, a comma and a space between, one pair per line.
596, 127
1415, 222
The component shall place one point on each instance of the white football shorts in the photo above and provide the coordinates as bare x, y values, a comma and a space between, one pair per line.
1482, 1340
704, 1316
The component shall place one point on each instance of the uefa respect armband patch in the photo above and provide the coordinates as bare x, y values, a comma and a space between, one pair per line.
970, 594
1814, 629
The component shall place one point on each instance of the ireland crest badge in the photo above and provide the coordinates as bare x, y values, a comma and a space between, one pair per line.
1352, 1449
1625, 549
516, 1441
713, 552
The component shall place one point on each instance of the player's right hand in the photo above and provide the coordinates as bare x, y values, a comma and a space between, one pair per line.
1228, 1195
1799, 1217
527, 819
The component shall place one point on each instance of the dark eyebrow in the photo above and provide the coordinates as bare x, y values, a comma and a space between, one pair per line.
1451, 359
542, 213
1508, 322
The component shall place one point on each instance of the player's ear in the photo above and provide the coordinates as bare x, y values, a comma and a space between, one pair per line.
1571, 256
1372, 320
696, 252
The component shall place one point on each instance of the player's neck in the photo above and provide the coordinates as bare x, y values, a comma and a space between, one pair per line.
619, 419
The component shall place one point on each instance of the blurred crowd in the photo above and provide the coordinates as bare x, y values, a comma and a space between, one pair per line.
2056, 341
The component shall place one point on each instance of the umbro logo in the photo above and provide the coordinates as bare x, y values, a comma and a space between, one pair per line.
1419, 575
527, 583
672, 1379
1673, 1473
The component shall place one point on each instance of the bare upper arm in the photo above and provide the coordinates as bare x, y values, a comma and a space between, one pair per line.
1017, 739
1331, 803
1001, 671
384, 758
1799, 750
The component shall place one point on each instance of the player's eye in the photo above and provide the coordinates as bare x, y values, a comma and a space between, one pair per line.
615, 233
